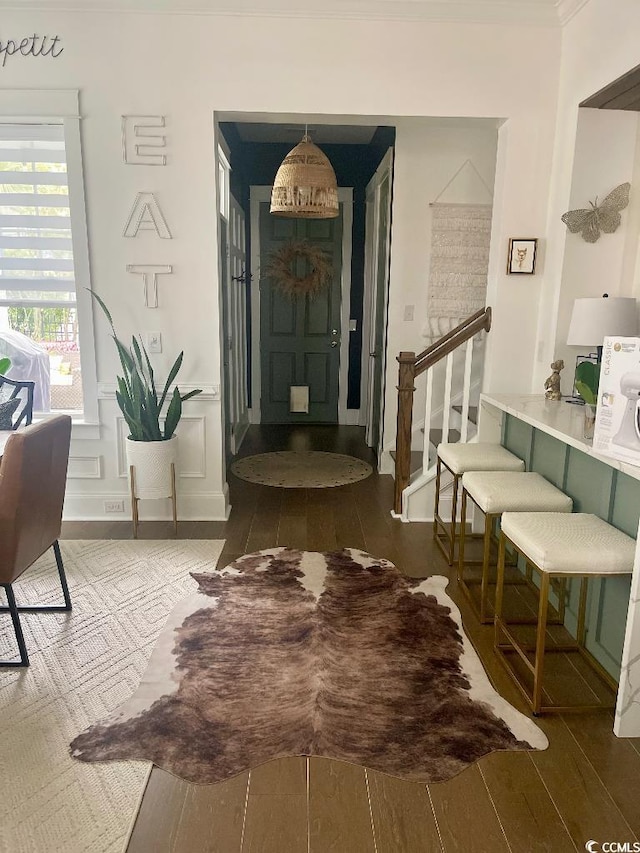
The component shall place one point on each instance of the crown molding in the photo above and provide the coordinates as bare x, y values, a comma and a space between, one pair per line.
525, 12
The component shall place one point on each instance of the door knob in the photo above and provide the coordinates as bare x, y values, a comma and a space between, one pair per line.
334, 331
334, 343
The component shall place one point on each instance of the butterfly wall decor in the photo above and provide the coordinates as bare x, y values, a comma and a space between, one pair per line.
603, 217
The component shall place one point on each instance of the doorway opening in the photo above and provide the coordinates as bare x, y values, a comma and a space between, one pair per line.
280, 352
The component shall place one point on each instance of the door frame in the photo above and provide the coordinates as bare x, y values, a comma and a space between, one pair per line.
369, 318
257, 195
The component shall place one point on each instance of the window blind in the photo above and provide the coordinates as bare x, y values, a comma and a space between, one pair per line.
36, 253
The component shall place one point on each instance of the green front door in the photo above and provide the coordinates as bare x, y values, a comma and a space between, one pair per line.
300, 336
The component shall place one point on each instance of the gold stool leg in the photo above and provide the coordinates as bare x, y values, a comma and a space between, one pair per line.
134, 500
436, 509
581, 630
174, 506
454, 513
499, 588
463, 518
484, 586
538, 669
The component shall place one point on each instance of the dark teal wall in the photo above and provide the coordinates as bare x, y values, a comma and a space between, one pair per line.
255, 164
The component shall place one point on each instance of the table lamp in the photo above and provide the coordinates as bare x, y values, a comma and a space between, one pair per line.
592, 319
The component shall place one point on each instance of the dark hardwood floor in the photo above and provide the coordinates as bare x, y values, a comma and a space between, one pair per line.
585, 786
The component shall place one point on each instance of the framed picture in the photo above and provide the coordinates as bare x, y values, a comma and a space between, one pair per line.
522, 255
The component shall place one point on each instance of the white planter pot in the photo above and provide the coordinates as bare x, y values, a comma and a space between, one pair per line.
152, 466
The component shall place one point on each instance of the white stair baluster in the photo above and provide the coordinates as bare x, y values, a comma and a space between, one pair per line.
466, 390
446, 408
428, 406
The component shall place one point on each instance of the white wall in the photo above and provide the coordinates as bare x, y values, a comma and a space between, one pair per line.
604, 158
186, 66
599, 44
429, 152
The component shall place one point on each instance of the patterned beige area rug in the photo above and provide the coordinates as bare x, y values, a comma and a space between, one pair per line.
334, 654
83, 665
309, 469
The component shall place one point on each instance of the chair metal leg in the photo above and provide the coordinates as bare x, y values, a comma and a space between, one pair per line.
63, 577
17, 627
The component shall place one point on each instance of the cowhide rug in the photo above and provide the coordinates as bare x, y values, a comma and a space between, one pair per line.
335, 654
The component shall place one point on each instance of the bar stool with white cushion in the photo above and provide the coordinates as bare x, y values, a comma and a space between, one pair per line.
458, 458
565, 545
495, 492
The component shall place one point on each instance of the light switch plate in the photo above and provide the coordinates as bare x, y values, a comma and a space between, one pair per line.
154, 341
408, 312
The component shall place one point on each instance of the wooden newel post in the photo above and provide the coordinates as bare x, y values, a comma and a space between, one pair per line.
406, 376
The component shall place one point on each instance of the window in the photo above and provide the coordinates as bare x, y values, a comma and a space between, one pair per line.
38, 310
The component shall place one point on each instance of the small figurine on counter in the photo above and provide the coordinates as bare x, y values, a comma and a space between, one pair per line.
552, 384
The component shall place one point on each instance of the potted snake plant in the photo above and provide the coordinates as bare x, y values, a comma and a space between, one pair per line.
152, 443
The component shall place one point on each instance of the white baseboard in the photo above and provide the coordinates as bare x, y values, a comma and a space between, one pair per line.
208, 506
353, 417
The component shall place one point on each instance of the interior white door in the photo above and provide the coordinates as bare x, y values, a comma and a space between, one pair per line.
377, 251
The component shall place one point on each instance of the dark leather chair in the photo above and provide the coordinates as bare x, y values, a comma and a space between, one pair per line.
10, 389
33, 475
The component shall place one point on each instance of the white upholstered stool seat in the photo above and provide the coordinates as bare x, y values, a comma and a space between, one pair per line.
579, 543
557, 545
496, 492
480, 456
500, 491
459, 458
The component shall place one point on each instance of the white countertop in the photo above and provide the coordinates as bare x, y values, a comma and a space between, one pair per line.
557, 418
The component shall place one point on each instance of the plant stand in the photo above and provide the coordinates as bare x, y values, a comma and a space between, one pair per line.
135, 499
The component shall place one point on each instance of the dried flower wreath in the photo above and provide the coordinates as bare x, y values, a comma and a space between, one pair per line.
282, 263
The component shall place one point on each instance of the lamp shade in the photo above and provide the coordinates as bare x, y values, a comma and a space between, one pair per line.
305, 185
593, 319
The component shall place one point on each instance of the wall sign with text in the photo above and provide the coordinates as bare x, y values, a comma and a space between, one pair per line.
34, 45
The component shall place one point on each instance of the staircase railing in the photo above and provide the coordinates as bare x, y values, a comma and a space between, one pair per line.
410, 367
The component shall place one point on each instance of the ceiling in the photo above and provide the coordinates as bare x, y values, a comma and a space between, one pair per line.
539, 12
622, 94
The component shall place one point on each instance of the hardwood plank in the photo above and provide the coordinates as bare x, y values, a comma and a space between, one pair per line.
292, 525
277, 816
264, 528
614, 759
321, 520
339, 816
178, 817
527, 813
587, 809
348, 528
403, 819
466, 815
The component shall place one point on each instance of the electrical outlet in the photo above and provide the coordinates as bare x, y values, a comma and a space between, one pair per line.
114, 506
154, 341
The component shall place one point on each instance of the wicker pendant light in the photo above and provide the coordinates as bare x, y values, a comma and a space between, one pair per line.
305, 186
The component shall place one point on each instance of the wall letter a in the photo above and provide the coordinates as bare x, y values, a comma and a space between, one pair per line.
146, 216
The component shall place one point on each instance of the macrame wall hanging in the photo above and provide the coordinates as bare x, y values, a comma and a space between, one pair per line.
283, 264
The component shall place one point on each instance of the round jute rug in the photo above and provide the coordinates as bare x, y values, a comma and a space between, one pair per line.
294, 469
